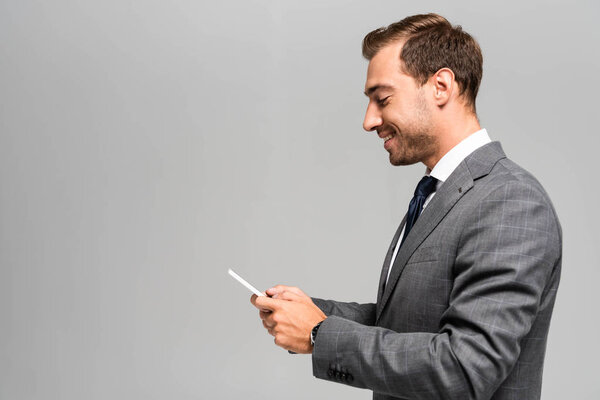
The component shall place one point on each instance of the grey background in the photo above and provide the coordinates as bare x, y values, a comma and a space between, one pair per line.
147, 146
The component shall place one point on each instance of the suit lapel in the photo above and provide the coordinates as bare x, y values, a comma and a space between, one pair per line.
388, 259
478, 164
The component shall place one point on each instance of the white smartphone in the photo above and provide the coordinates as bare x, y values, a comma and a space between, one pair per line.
243, 282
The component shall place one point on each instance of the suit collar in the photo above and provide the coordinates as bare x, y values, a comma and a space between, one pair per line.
476, 165
481, 161
448, 163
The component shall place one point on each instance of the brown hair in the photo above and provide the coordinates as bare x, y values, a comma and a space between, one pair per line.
432, 43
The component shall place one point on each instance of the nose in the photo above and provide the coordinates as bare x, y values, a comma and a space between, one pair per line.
373, 117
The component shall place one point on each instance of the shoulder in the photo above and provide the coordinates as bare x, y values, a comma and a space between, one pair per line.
512, 192
510, 180
492, 172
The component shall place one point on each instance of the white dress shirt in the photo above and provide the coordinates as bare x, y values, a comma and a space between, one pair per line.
442, 170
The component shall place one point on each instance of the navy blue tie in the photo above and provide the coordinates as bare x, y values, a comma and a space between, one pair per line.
425, 187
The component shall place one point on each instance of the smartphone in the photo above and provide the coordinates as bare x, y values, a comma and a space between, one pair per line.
243, 282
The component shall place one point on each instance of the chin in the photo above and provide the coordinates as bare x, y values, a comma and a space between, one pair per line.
400, 163
398, 160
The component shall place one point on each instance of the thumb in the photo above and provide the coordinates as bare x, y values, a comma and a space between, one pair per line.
279, 289
293, 296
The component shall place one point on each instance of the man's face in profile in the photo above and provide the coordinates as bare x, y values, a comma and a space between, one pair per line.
398, 109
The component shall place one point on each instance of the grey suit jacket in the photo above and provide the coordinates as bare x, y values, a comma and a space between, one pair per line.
466, 311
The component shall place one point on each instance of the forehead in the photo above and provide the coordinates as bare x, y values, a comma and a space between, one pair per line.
385, 68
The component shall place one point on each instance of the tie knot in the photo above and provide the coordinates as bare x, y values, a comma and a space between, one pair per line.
426, 186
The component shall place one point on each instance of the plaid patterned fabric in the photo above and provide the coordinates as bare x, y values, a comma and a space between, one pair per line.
466, 311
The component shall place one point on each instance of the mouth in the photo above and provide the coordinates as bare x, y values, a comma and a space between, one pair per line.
386, 141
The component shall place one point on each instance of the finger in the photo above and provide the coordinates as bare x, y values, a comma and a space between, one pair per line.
264, 303
297, 291
279, 341
264, 314
263, 310
269, 327
274, 290
290, 296
254, 297
277, 289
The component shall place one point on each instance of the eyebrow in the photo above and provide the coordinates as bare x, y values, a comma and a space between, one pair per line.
375, 88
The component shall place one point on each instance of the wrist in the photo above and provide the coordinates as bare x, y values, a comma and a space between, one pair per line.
314, 332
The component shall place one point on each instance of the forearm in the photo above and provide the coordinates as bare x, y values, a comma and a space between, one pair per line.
361, 313
406, 365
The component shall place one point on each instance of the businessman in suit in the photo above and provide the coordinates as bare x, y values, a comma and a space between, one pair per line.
469, 281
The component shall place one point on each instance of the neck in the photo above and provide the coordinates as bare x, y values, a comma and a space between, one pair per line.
451, 132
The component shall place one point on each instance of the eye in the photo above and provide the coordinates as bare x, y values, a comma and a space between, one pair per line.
382, 102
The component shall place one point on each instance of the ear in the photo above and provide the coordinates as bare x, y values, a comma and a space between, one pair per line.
443, 85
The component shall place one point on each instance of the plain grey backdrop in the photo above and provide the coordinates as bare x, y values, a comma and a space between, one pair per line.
147, 146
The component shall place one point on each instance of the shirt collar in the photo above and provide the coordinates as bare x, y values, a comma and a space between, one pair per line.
448, 163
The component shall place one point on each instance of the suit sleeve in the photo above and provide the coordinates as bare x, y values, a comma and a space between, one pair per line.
362, 313
508, 250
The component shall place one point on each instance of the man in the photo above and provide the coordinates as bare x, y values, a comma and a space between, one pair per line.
469, 281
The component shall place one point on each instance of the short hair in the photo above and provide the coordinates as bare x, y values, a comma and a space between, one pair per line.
432, 43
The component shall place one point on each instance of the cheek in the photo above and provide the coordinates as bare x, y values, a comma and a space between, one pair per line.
398, 111
393, 115
396, 118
